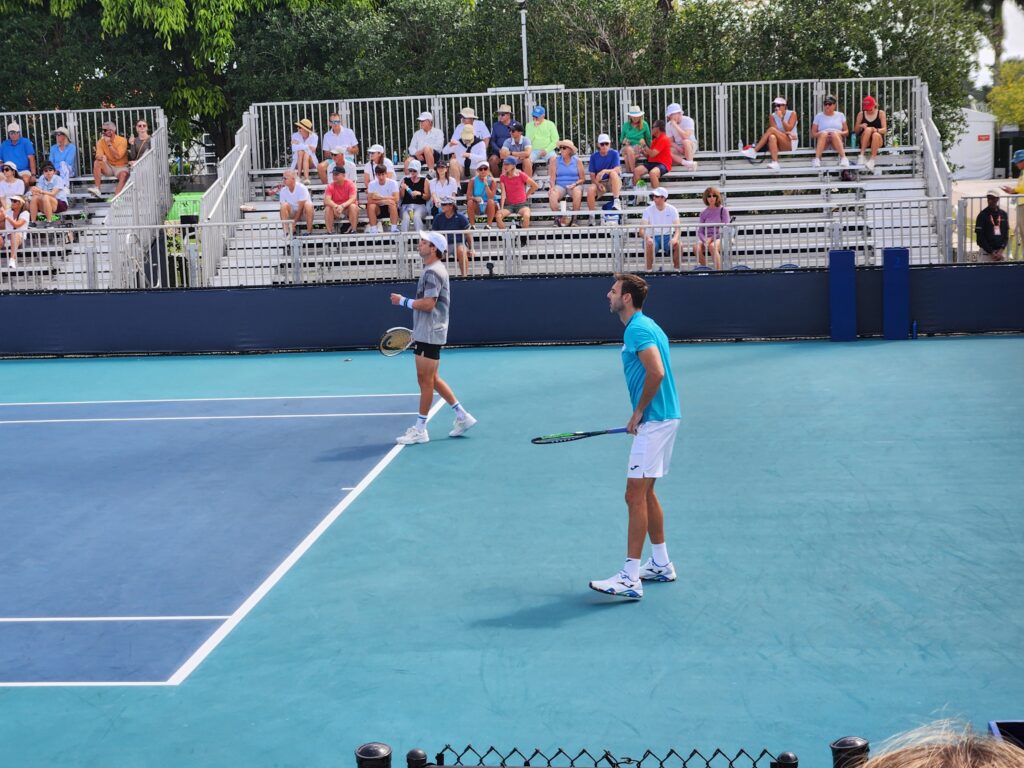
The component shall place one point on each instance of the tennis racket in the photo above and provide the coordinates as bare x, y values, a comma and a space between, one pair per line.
568, 437
395, 341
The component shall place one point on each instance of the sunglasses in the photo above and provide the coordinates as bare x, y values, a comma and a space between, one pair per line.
830, 103
142, 125
605, 144
712, 197
108, 130
335, 122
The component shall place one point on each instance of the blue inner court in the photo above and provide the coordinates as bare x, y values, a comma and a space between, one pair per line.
845, 519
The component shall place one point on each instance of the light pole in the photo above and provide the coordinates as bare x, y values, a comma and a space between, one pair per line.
522, 24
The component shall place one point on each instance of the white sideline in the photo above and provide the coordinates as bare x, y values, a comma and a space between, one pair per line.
210, 399
225, 629
204, 418
62, 619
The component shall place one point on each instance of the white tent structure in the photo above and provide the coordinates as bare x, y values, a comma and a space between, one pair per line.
973, 154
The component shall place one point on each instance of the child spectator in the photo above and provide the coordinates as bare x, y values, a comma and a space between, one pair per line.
49, 195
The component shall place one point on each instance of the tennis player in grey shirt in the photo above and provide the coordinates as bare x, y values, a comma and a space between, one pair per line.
429, 334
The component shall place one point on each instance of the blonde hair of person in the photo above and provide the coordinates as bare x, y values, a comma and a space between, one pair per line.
947, 744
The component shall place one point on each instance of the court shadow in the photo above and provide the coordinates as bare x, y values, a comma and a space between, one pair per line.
554, 613
356, 452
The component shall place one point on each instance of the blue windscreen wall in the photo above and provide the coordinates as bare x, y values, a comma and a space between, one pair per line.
730, 305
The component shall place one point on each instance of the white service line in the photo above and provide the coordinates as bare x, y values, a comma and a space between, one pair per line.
225, 629
205, 418
211, 399
62, 619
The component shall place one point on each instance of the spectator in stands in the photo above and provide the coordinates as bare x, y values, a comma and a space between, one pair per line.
634, 137
443, 186
111, 159
947, 744
414, 194
20, 151
467, 152
501, 131
15, 225
377, 158
10, 185
1018, 236
543, 136
681, 132
382, 198
296, 204
517, 146
482, 192
605, 173
341, 201
448, 219
992, 228
304, 143
830, 128
340, 137
870, 127
516, 188
663, 236
138, 145
709, 238
63, 154
427, 144
468, 117
49, 195
780, 136
657, 158
566, 180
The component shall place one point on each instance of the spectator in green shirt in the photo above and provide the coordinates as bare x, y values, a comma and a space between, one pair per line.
543, 136
634, 137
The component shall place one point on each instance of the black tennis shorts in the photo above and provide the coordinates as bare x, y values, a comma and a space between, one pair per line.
429, 351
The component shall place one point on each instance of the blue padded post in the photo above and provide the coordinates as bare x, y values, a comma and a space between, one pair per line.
842, 295
896, 293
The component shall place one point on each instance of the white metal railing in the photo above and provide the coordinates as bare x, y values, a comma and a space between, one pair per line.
936, 170
967, 210
726, 114
222, 201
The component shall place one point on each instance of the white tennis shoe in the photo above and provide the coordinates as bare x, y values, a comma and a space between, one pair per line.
462, 425
651, 572
412, 436
619, 585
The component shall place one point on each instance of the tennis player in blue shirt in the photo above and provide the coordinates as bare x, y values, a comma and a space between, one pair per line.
655, 419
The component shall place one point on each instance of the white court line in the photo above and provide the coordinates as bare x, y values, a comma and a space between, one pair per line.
61, 619
225, 629
81, 684
211, 399
205, 418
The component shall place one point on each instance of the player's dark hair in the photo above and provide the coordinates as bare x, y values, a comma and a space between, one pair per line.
635, 286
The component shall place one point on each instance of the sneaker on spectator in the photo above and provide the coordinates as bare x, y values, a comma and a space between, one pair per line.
876, 171
394, 227
844, 163
11, 263
462, 425
860, 159
651, 572
870, 164
371, 230
619, 585
815, 163
95, 192
748, 152
412, 436
616, 204
774, 165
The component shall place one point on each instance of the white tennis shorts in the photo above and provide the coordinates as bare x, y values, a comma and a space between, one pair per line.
652, 449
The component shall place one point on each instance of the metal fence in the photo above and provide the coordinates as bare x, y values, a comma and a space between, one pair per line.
583, 758
727, 115
222, 201
85, 127
967, 210
936, 170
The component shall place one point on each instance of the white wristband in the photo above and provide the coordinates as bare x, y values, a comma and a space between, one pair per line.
407, 302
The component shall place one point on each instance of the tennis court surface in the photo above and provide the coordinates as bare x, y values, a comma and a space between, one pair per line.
226, 561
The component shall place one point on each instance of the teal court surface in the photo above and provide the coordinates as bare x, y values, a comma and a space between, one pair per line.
225, 561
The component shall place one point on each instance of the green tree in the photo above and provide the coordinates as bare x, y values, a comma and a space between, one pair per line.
1006, 99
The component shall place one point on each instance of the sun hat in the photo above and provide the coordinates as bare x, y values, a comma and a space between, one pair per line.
425, 116
673, 109
467, 113
635, 111
18, 198
10, 164
439, 241
305, 123
566, 143
467, 133
63, 130
504, 109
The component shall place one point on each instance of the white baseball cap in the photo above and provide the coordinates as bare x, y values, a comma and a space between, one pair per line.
377, 148
415, 165
660, 192
13, 128
482, 164
780, 100
438, 240
604, 138
672, 109
425, 116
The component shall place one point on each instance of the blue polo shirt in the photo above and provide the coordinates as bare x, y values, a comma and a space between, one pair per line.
641, 333
457, 222
17, 153
599, 163
499, 133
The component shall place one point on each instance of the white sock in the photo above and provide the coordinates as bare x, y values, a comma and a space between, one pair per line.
459, 410
659, 554
421, 421
632, 568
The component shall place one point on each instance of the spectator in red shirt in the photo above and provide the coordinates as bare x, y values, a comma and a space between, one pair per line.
340, 201
515, 198
657, 157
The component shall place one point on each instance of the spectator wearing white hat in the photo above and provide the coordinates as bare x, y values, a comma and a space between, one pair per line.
64, 154
338, 136
304, 144
382, 199
466, 153
111, 159
659, 228
296, 204
566, 180
426, 145
19, 150
501, 131
605, 173
414, 194
377, 158
15, 225
468, 117
482, 191
634, 137
780, 135
681, 132
11, 184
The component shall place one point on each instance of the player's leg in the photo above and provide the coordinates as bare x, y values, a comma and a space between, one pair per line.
464, 420
426, 370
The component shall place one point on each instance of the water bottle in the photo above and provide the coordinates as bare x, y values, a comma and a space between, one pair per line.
394, 157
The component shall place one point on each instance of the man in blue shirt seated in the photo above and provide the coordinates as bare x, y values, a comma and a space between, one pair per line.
605, 173
451, 220
19, 150
500, 132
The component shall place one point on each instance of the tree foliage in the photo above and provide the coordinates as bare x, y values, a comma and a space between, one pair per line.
1006, 99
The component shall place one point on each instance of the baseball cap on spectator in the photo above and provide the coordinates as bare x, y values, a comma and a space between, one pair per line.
19, 198
516, 126
447, 200
415, 165
63, 130
305, 123
339, 168
377, 148
993, 193
660, 192
10, 164
635, 111
829, 99
339, 150
538, 111
48, 166
780, 100
504, 109
467, 113
672, 109
467, 133
438, 240
13, 128
1018, 156
482, 164
604, 138
425, 116
509, 160
869, 102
